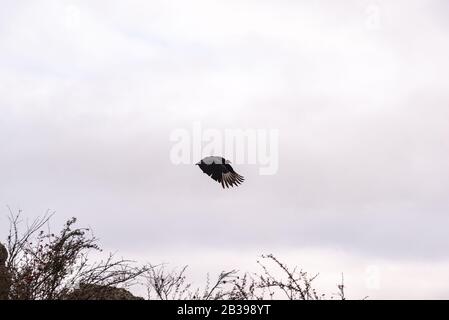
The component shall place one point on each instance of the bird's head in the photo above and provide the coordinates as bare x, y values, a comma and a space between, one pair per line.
228, 162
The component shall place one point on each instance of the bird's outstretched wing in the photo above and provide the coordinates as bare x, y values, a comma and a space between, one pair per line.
222, 173
230, 178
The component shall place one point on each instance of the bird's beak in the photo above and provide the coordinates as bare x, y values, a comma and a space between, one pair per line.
197, 163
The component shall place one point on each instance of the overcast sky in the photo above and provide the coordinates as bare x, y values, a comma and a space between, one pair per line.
90, 92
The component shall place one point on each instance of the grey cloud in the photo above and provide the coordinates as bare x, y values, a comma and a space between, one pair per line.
362, 114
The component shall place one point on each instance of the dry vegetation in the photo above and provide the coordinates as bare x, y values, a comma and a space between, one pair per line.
46, 265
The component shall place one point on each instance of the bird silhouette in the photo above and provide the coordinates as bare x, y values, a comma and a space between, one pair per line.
220, 170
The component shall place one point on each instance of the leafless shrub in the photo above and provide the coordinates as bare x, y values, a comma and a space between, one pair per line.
164, 285
295, 285
280, 283
172, 285
44, 265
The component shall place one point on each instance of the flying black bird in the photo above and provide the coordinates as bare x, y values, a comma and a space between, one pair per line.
220, 170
